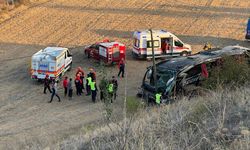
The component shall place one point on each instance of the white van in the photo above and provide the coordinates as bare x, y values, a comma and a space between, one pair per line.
52, 61
166, 44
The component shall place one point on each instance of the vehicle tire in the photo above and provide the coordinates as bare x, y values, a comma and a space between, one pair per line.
88, 55
184, 53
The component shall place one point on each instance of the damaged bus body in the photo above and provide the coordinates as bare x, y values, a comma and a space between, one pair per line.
175, 75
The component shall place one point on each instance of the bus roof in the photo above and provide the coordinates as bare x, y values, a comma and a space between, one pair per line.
179, 63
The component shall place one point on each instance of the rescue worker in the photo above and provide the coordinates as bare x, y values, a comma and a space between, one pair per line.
70, 89
121, 66
47, 84
81, 83
165, 46
79, 69
207, 46
78, 85
54, 92
92, 74
81, 72
158, 96
93, 90
88, 81
65, 84
111, 91
115, 83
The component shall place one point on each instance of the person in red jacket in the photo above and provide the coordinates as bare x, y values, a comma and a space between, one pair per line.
65, 85
81, 72
79, 69
78, 83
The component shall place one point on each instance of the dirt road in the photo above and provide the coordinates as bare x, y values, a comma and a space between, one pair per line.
27, 120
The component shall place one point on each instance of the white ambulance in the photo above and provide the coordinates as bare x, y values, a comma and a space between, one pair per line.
51, 61
166, 44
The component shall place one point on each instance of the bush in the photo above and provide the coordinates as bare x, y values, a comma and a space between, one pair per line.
233, 72
133, 105
214, 122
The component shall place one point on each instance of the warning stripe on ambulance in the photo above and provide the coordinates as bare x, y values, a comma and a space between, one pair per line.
49, 72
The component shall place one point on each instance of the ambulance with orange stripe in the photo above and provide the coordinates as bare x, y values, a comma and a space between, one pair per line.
52, 61
166, 44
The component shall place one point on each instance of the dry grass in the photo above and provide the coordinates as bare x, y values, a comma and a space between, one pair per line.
219, 121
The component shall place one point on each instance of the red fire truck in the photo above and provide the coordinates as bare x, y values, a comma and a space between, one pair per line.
108, 52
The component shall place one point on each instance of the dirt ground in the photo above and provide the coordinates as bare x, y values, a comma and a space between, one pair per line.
27, 120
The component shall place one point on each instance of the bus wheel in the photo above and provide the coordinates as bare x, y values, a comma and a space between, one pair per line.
184, 53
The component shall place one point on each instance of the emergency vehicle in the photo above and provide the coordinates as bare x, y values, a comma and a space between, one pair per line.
108, 52
248, 30
52, 61
166, 44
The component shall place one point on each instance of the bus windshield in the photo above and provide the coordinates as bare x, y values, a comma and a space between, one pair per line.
164, 79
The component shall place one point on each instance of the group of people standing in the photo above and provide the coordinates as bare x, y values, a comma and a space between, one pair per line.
90, 85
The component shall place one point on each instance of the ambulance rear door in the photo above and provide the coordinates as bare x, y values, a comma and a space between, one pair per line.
43, 68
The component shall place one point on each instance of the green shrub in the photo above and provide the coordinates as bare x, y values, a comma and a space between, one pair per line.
133, 105
232, 72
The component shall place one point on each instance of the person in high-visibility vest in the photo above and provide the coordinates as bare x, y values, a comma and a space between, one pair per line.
93, 90
88, 81
111, 91
158, 98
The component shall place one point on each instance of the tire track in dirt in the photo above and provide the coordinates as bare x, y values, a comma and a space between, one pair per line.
13, 28
82, 30
201, 13
7, 21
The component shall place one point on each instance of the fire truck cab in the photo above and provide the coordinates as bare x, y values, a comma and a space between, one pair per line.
108, 52
166, 44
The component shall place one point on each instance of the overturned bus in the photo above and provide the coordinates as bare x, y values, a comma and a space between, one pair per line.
175, 75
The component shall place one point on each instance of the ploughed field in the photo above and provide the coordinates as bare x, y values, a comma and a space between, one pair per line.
27, 120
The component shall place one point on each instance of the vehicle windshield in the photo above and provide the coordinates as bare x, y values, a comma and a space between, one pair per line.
164, 79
